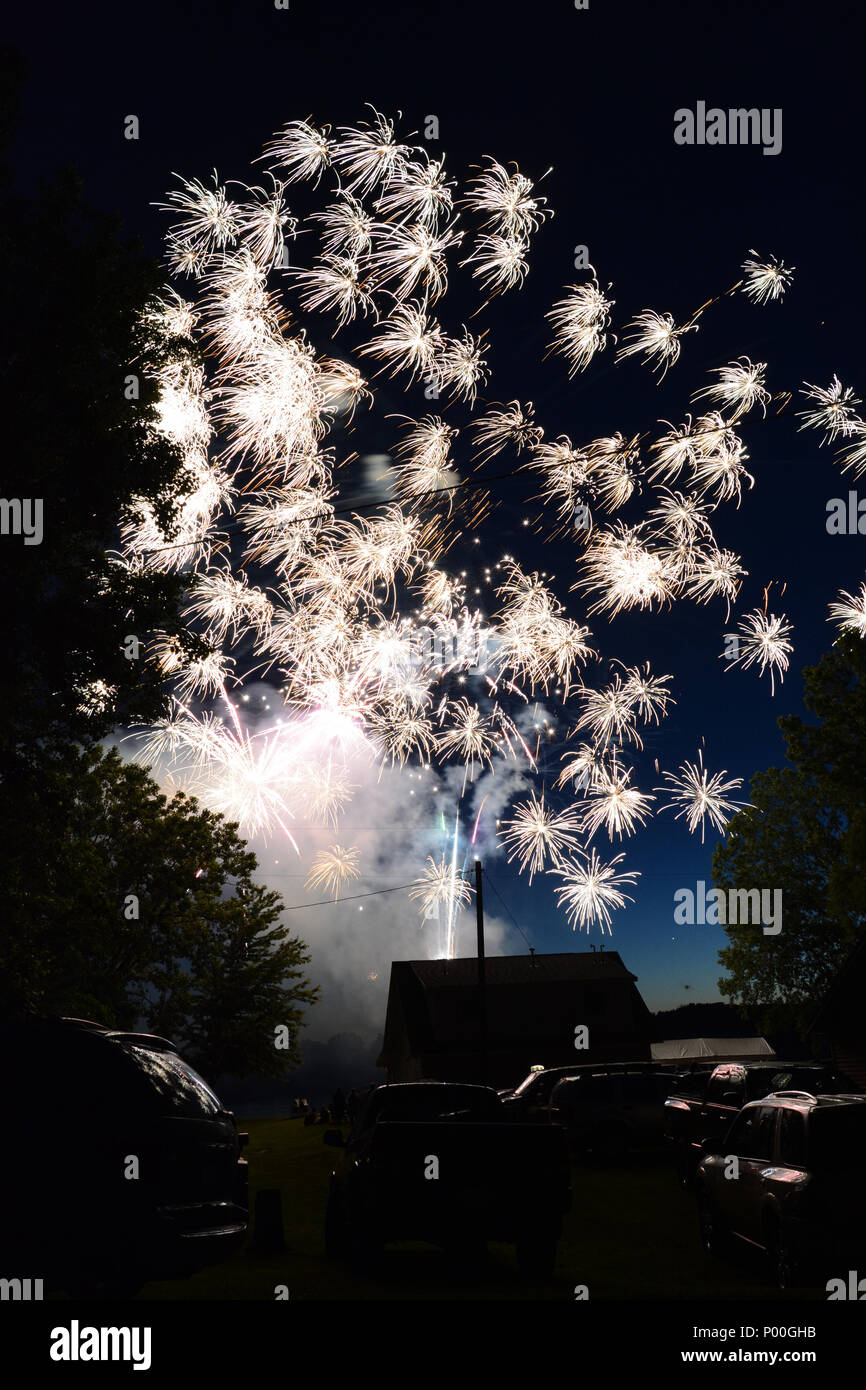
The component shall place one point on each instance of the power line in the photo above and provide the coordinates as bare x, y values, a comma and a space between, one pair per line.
507, 908
351, 897
349, 507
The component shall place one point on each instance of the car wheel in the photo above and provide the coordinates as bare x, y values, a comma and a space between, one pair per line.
714, 1237
536, 1256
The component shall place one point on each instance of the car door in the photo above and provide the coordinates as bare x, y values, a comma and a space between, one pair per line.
755, 1158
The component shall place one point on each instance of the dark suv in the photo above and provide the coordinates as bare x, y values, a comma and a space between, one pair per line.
797, 1190
119, 1165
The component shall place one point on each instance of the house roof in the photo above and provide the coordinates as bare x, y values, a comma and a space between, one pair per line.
510, 970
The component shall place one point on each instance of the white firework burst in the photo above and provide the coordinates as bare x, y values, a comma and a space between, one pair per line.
514, 424
369, 154
420, 192
209, 221
614, 464
581, 321
471, 737
739, 387
536, 833
762, 638
626, 572
508, 200
766, 280
716, 572
724, 471
301, 150
347, 227
412, 255
460, 366
834, 412
335, 284
854, 455
407, 340
264, 224
499, 262
441, 884
615, 804
331, 869
701, 797
425, 454
591, 889
657, 338
849, 611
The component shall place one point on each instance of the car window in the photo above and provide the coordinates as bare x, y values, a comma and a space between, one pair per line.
752, 1135
720, 1085
837, 1137
792, 1138
180, 1089
778, 1081
431, 1103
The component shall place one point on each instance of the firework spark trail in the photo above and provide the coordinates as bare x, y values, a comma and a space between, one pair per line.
364, 675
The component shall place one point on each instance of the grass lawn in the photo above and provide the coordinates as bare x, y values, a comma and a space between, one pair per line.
631, 1234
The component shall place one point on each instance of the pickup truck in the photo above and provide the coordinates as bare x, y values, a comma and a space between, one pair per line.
704, 1106
437, 1162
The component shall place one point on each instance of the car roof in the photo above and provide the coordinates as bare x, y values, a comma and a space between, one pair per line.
84, 1027
432, 1085
802, 1100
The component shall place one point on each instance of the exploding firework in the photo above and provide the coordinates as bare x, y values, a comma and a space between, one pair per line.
332, 868
701, 797
590, 889
351, 608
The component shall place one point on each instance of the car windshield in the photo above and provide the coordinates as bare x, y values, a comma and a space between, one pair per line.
432, 1103
837, 1136
181, 1090
764, 1081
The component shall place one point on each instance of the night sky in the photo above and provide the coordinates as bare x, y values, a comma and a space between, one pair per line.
593, 94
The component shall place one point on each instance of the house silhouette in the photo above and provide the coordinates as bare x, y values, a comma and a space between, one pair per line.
534, 1004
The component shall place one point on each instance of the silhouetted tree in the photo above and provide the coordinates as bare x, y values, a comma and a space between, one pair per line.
145, 911
807, 836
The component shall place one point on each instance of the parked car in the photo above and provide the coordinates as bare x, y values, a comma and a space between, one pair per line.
530, 1101
610, 1113
121, 1165
436, 1162
798, 1192
703, 1107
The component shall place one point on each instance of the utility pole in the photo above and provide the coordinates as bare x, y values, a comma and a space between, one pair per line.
482, 978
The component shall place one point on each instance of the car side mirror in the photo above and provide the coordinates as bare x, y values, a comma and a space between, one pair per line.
334, 1139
